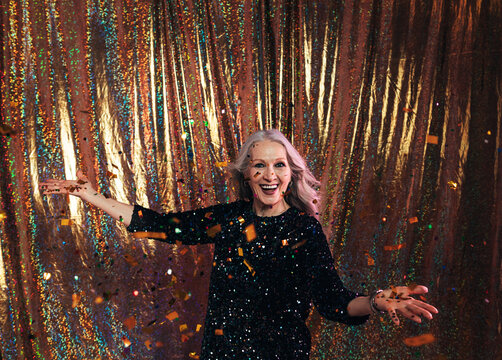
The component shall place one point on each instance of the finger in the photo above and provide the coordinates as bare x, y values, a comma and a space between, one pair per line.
419, 311
425, 306
81, 176
410, 315
418, 289
393, 316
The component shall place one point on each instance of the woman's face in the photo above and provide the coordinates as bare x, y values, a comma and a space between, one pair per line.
269, 174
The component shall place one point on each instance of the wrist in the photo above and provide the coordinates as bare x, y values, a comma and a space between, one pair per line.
372, 300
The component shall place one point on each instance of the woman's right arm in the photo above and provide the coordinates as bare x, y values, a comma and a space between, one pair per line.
84, 190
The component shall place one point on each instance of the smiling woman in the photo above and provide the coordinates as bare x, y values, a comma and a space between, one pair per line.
271, 258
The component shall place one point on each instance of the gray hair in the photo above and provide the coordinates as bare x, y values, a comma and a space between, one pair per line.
302, 192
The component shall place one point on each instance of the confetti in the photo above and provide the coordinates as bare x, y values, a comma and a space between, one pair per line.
284, 242
126, 342
393, 247
221, 164
198, 327
413, 220
148, 344
218, 331
241, 253
3, 215
66, 222
241, 219
251, 270
212, 231
183, 327
172, 316
183, 251
208, 215
297, 245
98, 300
111, 175
453, 185
250, 232
193, 355
130, 260
432, 139
47, 276
407, 110
419, 340
75, 298
257, 174
148, 234
130, 322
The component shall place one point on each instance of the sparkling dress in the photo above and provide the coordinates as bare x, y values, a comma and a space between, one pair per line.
267, 272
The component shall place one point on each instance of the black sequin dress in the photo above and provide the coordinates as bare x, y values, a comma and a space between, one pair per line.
266, 273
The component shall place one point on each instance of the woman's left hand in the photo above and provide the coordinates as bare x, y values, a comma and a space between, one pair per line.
397, 300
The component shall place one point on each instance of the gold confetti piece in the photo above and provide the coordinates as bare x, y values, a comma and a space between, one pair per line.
176, 220
3, 215
75, 299
241, 219
408, 110
250, 232
148, 234
249, 267
140, 213
393, 247
208, 215
371, 261
297, 245
453, 185
184, 338
183, 327
285, 242
126, 341
66, 222
148, 344
98, 300
420, 340
130, 260
241, 253
221, 164
198, 327
212, 231
432, 139
130, 323
47, 276
413, 220
172, 316
183, 251
193, 355
218, 331
111, 175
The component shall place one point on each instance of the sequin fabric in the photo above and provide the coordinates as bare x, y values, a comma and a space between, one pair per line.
267, 272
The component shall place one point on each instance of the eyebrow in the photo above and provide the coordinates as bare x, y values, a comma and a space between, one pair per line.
283, 159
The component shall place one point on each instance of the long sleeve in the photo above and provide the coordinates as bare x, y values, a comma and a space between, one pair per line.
328, 293
200, 226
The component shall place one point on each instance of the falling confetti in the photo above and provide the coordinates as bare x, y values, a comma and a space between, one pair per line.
393, 247
419, 340
212, 231
146, 234
250, 232
130, 322
432, 139
172, 316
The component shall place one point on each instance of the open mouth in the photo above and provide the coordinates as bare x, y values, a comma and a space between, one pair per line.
269, 189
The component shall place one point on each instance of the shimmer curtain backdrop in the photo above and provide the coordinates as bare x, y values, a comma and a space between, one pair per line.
396, 105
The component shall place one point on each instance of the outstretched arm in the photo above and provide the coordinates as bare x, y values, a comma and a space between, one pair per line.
84, 190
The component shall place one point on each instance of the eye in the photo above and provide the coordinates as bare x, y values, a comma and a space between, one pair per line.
280, 164
258, 165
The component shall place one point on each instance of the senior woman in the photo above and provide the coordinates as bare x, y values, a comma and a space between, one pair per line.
271, 257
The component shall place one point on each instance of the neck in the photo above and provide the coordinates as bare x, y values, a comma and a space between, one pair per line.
270, 210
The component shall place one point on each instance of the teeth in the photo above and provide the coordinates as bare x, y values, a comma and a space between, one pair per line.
269, 187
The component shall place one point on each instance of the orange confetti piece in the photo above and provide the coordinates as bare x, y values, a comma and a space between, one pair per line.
208, 215
453, 185
432, 139
371, 261
148, 344
183, 327
413, 220
241, 219
285, 242
408, 110
130, 260
172, 316
249, 267
159, 344
140, 213
221, 164
250, 232
198, 327
212, 231
257, 174
111, 175
183, 251
98, 300
193, 355
218, 331
420, 340
297, 245
75, 300
3, 215
66, 222
148, 234
130, 323
184, 338
126, 341
393, 247
240, 251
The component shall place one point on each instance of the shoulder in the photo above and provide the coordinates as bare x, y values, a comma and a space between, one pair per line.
306, 223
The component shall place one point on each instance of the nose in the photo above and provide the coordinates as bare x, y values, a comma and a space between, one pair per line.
269, 173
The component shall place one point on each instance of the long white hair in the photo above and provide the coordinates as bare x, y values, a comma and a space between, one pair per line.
302, 192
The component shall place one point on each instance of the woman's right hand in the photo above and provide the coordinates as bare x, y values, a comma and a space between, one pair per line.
80, 187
